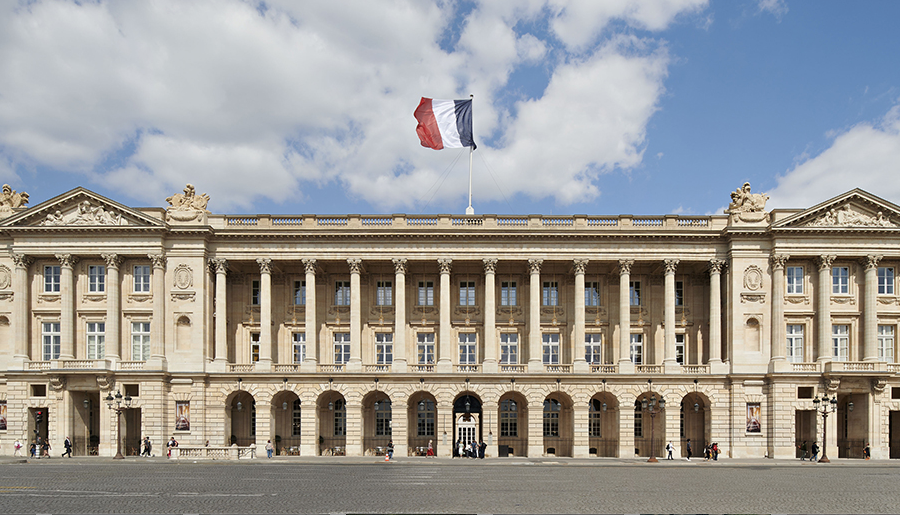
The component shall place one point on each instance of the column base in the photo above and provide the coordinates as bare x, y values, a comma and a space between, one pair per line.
399, 367
535, 366
672, 367
155, 363
490, 367
718, 367
581, 367
354, 365
780, 365
217, 365
626, 367
263, 365
309, 366
444, 366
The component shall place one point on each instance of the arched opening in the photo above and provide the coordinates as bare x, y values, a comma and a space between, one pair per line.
183, 333
752, 334
649, 425
467, 423
286, 423
513, 422
852, 424
694, 423
242, 409
422, 419
377, 423
558, 425
332, 415
603, 425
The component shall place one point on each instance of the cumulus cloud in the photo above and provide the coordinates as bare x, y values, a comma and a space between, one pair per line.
864, 156
777, 8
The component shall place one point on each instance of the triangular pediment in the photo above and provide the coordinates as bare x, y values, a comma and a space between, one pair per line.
80, 208
856, 209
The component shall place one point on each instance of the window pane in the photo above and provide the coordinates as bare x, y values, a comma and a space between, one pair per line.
635, 293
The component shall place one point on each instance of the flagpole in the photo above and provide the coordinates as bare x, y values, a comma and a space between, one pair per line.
470, 210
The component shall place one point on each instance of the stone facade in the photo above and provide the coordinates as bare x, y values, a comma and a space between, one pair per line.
540, 335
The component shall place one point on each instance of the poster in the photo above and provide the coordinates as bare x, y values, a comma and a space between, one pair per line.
3, 416
182, 416
753, 422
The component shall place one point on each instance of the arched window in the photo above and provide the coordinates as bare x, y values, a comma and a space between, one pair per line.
552, 408
425, 418
509, 418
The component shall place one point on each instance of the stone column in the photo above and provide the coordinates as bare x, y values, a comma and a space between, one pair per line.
355, 363
220, 266
581, 447
534, 316
870, 316
158, 327
21, 308
400, 424
67, 306
779, 338
310, 326
535, 429
490, 415
354, 442
670, 364
113, 340
399, 364
489, 364
579, 364
445, 363
265, 315
824, 309
625, 364
715, 311
309, 444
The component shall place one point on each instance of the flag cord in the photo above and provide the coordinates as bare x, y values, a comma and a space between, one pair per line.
470, 210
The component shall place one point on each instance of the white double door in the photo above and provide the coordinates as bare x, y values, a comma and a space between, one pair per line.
467, 428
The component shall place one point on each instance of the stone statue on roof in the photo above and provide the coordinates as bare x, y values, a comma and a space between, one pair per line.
187, 206
11, 199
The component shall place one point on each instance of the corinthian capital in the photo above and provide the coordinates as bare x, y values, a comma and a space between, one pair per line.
625, 266
309, 265
112, 260
21, 260
158, 260
824, 262
444, 264
716, 266
534, 265
778, 261
399, 265
671, 266
218, 265
871, 262
580, 265
67, 260
490, 265
355, 265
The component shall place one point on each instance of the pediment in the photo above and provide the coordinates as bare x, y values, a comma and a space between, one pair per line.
856, 209
80, 208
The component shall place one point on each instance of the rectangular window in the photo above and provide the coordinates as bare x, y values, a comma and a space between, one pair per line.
467, 293
95, 340
637, 349
299, 293
254, 347
254, 292
51, 340
592, 294
467, 348
635, 292
383, 419
886, 343
508, 293
509, 348
679, 293
885, 280
384, 348
425, 348
384, 293
425, 418
795, 343
51, 278
551, 418
840, 279
551, 293
426, 293
299, 344
296, 419
341, 348
140, 341
340, 419
96, 278
142, 279
593, 348
679, 348
342, 293
794, 277
840, 342
550, 349
509, 418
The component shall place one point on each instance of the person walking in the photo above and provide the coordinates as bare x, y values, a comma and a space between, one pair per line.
803, 449
429, 452
68, 445
18, 447
867, 452
815, 452
45, 448
390, 450
670, 449
689, 449
33, 450
715, 451
481, 448
269, 449
147, 447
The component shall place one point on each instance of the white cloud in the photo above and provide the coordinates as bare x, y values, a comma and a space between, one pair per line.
864, 156
777, 8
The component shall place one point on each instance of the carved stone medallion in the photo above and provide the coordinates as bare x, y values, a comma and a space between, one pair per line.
184, 277
5, 277
753, 277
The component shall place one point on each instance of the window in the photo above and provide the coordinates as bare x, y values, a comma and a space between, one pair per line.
299, 293
509, 418
886, 343
296, 419
509, 348
679, 293
551, 349
51, 339
551, 417
96, 278
635, 292
466, 348
254, 347
254, 292
885, 280
142, 279
467, 293
425, 418
342, 293
508, 293
594, 422
593, 347
425, 348
794, 276
341, 348
840, 279
426, 293
383, 293
340, 418
299, 343
140, 341
638, 420
51, 278
384, 348
795, 343
383, 418
551, 293
592, 294
679, 348
840, 342
637, 349
95, 340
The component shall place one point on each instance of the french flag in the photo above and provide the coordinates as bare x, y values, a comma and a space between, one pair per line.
445, 123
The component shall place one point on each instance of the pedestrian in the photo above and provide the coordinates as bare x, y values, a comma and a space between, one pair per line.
689, 449
147, 447
462, 448
33, 450
669, 450
18, 447
390, 450
473, 449
707, 452
715, 451
45, 448
803, 449
429, 453
269, 449
171, 444
68, 445
481, 448
867, 452
815, 452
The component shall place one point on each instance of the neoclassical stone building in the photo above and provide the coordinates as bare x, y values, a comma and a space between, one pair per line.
541, 335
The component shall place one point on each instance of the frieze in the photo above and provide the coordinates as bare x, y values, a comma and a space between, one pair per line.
183, 295
381, 310
514, 311
47, 298
845, 216
139, 298
7, 295
467, 311
797, 299
339, 310
753, 297
555, 311
424, 310
844, 300
85, 214
94, 297
889, 301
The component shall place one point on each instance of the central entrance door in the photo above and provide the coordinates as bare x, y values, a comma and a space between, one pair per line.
467, 427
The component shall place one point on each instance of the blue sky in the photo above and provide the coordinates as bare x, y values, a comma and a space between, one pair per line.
581, 106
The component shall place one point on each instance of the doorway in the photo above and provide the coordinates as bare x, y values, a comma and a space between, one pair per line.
467, 428
804, 431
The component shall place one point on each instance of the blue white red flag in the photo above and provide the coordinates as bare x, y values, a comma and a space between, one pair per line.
444, 123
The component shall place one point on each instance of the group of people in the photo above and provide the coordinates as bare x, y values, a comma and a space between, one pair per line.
804, 451
40, 447
471, 449
711, 452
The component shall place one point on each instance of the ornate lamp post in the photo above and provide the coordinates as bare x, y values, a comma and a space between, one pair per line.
653, 409
115, 404
824, 406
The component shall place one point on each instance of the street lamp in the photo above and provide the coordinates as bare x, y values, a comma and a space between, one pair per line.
824, 406
115, 404
653, 409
